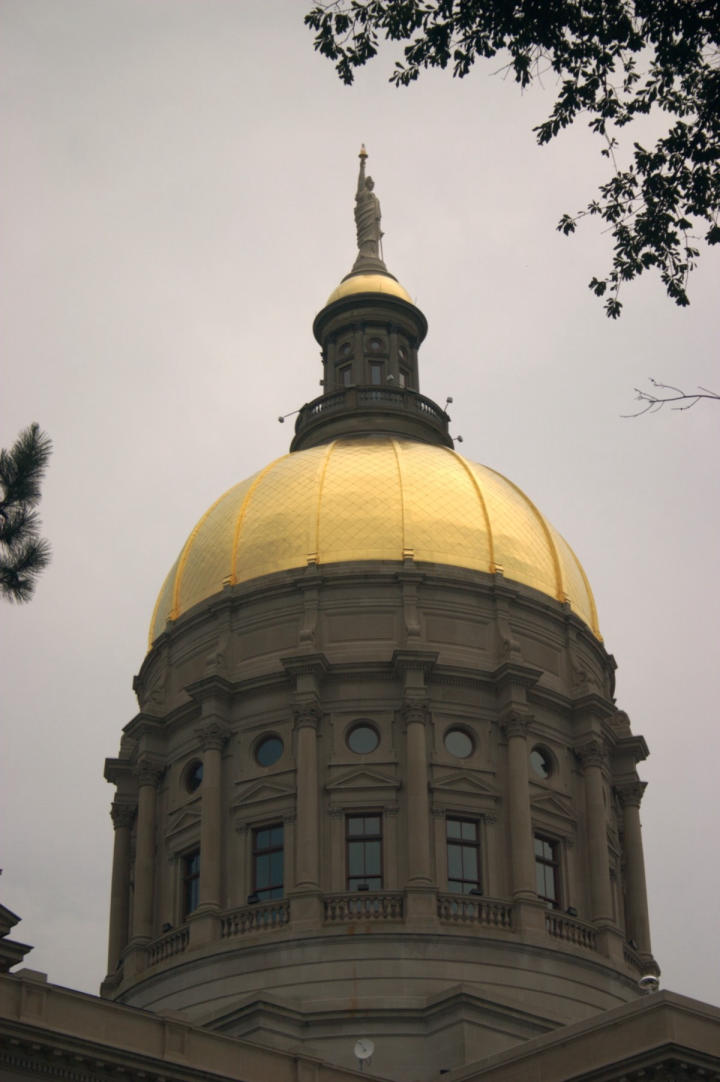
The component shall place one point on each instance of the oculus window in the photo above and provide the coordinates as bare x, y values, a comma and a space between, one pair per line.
193, 776
541, 762
463, 856
363, 840
269, 750
267, 857
459, 743
363, 738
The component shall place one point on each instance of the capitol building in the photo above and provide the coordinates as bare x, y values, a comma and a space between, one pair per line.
378, 811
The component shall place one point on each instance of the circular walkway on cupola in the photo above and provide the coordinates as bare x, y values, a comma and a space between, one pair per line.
374, 498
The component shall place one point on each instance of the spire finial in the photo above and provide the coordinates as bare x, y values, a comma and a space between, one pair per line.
367, 221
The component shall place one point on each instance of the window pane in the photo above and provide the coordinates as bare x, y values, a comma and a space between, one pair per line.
355, 858
470, 863
262, 871
372, 858
355, 826
469, 831
372, 824
276, 868
454, 862
276, 836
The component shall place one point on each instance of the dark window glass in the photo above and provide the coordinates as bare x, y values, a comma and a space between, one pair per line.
364, 852
541, 762
194, 776
362, 739
376, 371
345, 374
458, 743
269, 750
190, 882
268, 861
345, 349
463, 856
547, 870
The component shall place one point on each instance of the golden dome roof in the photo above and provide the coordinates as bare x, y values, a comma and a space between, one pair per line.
374, 498
369, 283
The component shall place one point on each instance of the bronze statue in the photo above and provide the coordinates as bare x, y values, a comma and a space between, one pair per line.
367, 213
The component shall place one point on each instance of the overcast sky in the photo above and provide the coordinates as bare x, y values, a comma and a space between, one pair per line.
175, 206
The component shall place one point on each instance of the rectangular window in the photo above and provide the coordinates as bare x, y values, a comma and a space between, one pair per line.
363, 834
190, 882
376, 371
547, 870
463, 856
345, 375
268, 861
404, 378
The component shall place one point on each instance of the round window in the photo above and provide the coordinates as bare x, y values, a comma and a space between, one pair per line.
375, 345
269, 750
193, 776
458, 743
541, 762
345, 349
362, 739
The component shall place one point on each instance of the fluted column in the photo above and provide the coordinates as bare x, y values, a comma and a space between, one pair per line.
522, 861
638, 917
148, 775
415, 716
592, 756
213, 736
307, 854
122, 817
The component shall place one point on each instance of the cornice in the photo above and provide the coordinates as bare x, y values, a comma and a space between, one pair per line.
306, 665
414, 661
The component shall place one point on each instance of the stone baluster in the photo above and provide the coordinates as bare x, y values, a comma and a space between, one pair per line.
122, 817
307, 855
592, 755
213, 736
522, 862
630, 796
148, 775
415, 716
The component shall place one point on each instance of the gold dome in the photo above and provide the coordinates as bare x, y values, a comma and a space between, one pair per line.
372, 499
369, 283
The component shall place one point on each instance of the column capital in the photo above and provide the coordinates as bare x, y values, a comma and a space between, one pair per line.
415, 712
592, 752
631, 793
515, 723
122, 814
148, 772
307, 715
213, 735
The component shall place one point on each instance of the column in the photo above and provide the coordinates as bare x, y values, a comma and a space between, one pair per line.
213, 736
522, 860
592, 757
122, 817
415, 715
148, 775
638, 918
307, 856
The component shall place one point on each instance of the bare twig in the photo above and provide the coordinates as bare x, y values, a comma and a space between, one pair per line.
652, 401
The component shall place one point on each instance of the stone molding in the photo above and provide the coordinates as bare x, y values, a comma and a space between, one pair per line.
631, 793
213, 735
414, 661
122, 814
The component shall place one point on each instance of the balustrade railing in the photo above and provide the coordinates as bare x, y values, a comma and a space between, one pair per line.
401, 399
363, 906
173, 942
572, 931
464, 909
263, 917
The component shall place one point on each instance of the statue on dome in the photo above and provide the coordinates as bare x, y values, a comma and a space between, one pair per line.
367, 213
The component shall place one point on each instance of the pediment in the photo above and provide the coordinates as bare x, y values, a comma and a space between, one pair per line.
461, 783
181, 820
258, 791
553, 804
362, 779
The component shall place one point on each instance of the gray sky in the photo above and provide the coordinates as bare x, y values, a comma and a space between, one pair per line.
176, 205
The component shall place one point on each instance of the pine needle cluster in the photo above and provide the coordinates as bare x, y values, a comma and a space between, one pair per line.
23, 553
